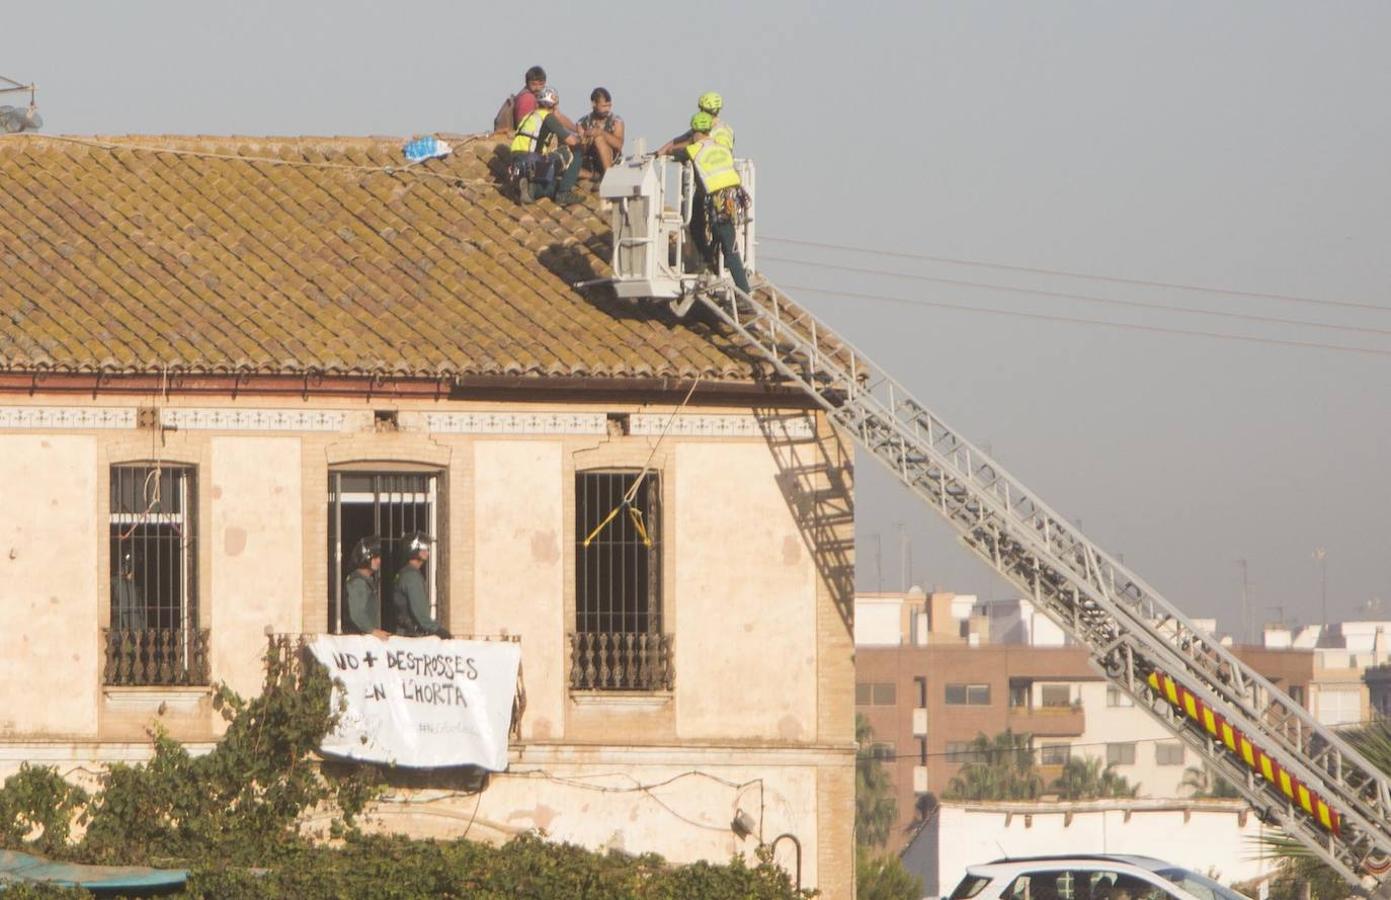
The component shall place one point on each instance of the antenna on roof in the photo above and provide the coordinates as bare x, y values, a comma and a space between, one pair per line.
13, 118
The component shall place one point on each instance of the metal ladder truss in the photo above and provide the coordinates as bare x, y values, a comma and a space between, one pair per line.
1294, 771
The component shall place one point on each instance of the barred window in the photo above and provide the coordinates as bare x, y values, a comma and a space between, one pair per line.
618, 642
154, 636
385, 505
1054, 754
618, 554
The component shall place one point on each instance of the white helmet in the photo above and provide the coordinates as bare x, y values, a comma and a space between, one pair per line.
547, 98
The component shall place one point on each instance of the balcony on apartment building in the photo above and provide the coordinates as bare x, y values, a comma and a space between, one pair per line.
1052, 711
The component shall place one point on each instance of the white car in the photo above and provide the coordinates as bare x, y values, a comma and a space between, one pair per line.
1087, 877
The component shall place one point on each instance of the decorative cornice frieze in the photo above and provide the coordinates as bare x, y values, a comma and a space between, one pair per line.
516, 423
720, 425
214, 419
47, 418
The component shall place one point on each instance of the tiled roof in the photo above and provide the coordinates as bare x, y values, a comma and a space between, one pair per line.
145, 254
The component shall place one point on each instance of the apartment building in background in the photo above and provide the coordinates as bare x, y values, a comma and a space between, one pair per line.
935, 670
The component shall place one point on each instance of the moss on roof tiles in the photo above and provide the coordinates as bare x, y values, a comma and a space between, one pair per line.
142, 253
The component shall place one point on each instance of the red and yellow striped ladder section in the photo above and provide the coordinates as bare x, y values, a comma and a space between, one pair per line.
1257, 760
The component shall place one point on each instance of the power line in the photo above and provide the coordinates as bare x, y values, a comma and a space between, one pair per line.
1074, 320
1064, 273
1090, 298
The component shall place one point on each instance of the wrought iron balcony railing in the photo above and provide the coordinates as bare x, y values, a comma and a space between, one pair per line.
621, 661
155, 656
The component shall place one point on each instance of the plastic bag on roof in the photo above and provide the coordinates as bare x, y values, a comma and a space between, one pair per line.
427, 147
16, 118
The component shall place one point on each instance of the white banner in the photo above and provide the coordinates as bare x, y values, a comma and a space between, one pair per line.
421, 702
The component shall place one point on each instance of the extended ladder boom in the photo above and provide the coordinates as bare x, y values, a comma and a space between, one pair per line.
1292, 769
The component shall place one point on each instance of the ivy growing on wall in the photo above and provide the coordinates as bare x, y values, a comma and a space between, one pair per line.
235, 815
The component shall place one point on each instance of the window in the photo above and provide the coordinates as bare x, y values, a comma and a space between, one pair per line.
882, 751
1117, 697
1296, 693
876, 693
618, 642
1019, 695
385, 505
922, 751
920, 687
1054, 754
154, 636
1338, 707
968, 695
1168, 753
963, 752
1121, 754
1055, 695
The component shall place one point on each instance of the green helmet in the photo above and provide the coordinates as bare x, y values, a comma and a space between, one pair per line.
702, 122
710, 102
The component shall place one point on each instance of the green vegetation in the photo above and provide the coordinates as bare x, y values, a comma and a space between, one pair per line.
879, 874
1207, 784
998, 768
1086, 778
1003, 768
234, 818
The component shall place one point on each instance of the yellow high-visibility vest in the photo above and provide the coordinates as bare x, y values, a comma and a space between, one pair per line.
528, 136
722, 134
714, 165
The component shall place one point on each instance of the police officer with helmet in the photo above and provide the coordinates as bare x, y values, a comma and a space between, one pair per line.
409, 600
362, 607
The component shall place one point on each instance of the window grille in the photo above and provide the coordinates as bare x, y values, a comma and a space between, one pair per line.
153, 636
618, 643
386, 505
1055, 754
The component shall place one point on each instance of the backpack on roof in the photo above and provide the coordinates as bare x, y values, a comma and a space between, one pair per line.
504, 122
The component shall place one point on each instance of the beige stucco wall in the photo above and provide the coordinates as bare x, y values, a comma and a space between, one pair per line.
254, 550
763, 683
519, 568
745, 605
49, 628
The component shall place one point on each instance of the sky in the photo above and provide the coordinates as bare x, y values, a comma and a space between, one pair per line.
1238, 147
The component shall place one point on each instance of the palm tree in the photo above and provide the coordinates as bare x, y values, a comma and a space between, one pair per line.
1298, 864
875, 807
999, 768
1086, 778
1207, 784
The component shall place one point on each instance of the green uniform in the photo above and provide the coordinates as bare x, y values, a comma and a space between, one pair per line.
362, 612
411, 604
127, 607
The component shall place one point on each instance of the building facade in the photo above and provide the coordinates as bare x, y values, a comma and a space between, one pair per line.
942, 672
222, 362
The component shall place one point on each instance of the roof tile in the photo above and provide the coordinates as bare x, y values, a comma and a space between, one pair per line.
311, 255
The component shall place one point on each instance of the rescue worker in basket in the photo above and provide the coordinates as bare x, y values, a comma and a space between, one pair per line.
536, 172
410, 602
719, 196
363, 613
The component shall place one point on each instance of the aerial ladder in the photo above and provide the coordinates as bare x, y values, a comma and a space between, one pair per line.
1294, 772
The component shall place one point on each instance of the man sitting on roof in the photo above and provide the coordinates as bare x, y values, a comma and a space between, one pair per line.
534, 169
601, 134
